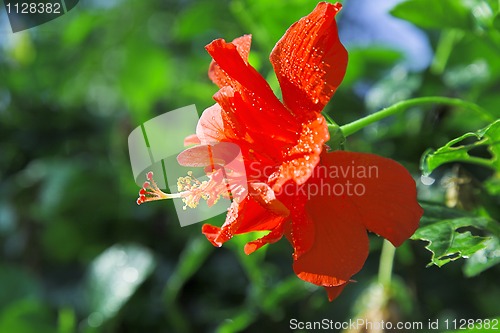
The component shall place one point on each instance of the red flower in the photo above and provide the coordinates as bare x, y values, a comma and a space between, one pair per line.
322, 202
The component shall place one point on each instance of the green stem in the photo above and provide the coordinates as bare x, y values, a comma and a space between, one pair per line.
355, 126
447, 41
66, 320
386, 261
195, 253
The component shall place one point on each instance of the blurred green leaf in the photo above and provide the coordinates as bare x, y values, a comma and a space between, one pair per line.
451, 238
496, 22
197, 19
67, 320
483, 11
456, 151
395, 87
193, 256
468, 75
145, 83
483, 259
26, 316
266, 20
113, 278
292, 288
238, 323
492, 185
21, 285
435, 14
434, 213
368, 62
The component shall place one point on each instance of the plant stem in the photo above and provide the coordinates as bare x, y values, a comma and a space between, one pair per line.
386, 261
355, 126
444, 49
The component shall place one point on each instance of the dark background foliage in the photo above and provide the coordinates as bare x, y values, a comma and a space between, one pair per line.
78, 254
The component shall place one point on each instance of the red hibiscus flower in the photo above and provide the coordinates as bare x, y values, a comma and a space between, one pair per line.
323, 202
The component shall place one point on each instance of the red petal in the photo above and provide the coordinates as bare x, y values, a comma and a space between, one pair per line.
309, 60
272, 237
217, 75
255, 217
389, 207
348, 193
211, 233
334, 292
340, 244
222, 153
265, 196
254, 121
245, 216
191, 140
242, 75
300, 232
197, 156
211, 127
301, 159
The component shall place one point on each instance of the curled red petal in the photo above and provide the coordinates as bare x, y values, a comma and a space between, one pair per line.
310, 61
272, 237
266, 197
217, 74
243, 76
255, 217
211, 232
243, 216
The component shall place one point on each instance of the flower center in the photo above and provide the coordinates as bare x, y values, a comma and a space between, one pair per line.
191, 190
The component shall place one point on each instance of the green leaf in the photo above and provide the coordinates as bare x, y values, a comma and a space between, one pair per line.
492, 185
449, 235
286, 290
496, 22
192, 258
483, 259
238, 323
26, 316
113, 278
457, 151
435, 14
369, 62
394, 87
448, 244
434, 213
483, 11
21, 285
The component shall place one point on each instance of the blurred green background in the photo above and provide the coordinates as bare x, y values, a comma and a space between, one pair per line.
78, 255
